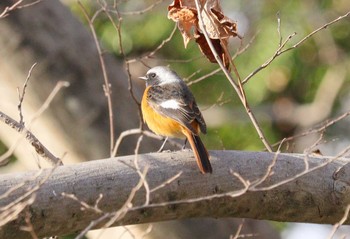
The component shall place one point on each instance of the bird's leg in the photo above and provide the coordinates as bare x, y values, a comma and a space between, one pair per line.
184, 146
162, 147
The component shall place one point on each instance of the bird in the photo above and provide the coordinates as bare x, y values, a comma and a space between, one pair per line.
170, 110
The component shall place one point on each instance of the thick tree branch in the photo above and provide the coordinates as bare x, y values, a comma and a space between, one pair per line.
111, 191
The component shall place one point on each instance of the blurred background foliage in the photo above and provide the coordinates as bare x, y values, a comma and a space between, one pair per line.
276, 94
294, 93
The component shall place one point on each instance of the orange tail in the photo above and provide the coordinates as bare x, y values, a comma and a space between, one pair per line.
200, 152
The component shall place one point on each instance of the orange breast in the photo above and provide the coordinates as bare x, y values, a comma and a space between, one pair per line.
159, 124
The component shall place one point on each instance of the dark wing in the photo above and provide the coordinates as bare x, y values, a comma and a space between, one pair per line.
187, 110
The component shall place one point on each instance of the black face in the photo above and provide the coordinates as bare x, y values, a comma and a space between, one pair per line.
152, 79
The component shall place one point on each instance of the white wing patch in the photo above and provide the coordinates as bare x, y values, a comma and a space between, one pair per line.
172, 104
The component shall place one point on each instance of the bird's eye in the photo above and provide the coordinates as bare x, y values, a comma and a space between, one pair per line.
152, 75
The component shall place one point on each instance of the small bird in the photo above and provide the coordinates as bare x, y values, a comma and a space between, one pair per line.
169, 109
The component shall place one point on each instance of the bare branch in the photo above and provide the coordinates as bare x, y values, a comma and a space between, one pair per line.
21, 95
306, 170
152, 53
107, 85
15, 6
237, 87
117, 27
167, 182
9, 9
316, 31
30, 137
84, 204
239, 52
268, 62
279, 29
150, 7
323, 126
29, 228
25, 196
341, 222
123, 200
238, 232
280, 49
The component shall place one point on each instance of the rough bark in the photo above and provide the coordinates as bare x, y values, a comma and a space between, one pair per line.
319, 196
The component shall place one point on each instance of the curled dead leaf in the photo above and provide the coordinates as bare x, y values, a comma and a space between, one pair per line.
205, 49
217, 25
186, 20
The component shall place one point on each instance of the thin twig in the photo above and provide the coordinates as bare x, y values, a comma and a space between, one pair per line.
29, 136
316, 31
114, 216
188, 78
190, 60
219, 102
152, 53
16, 6
7, 10
107, 85
269, 171
142, 173
150, 7
310, 148
29, 227
304, 172
92, 225
341, 222
85, 205
120, 213
128, 206
166, 182
204, 77
268, 62
279, 29
11, 211
140, 131
118, 27
239, 52
319, 129
122, 136
238, 231
239, 90
280, 50
21, 95
232, 194
128, 203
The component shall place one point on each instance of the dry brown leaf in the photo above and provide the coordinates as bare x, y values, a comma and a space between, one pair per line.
205, 49
217, 25
187, 22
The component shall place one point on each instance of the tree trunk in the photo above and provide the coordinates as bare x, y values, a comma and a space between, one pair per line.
319, 196
77, 122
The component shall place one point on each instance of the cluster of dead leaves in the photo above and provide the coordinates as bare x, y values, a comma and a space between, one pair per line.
217, 25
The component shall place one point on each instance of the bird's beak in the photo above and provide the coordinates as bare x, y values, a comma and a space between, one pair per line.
143, 77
